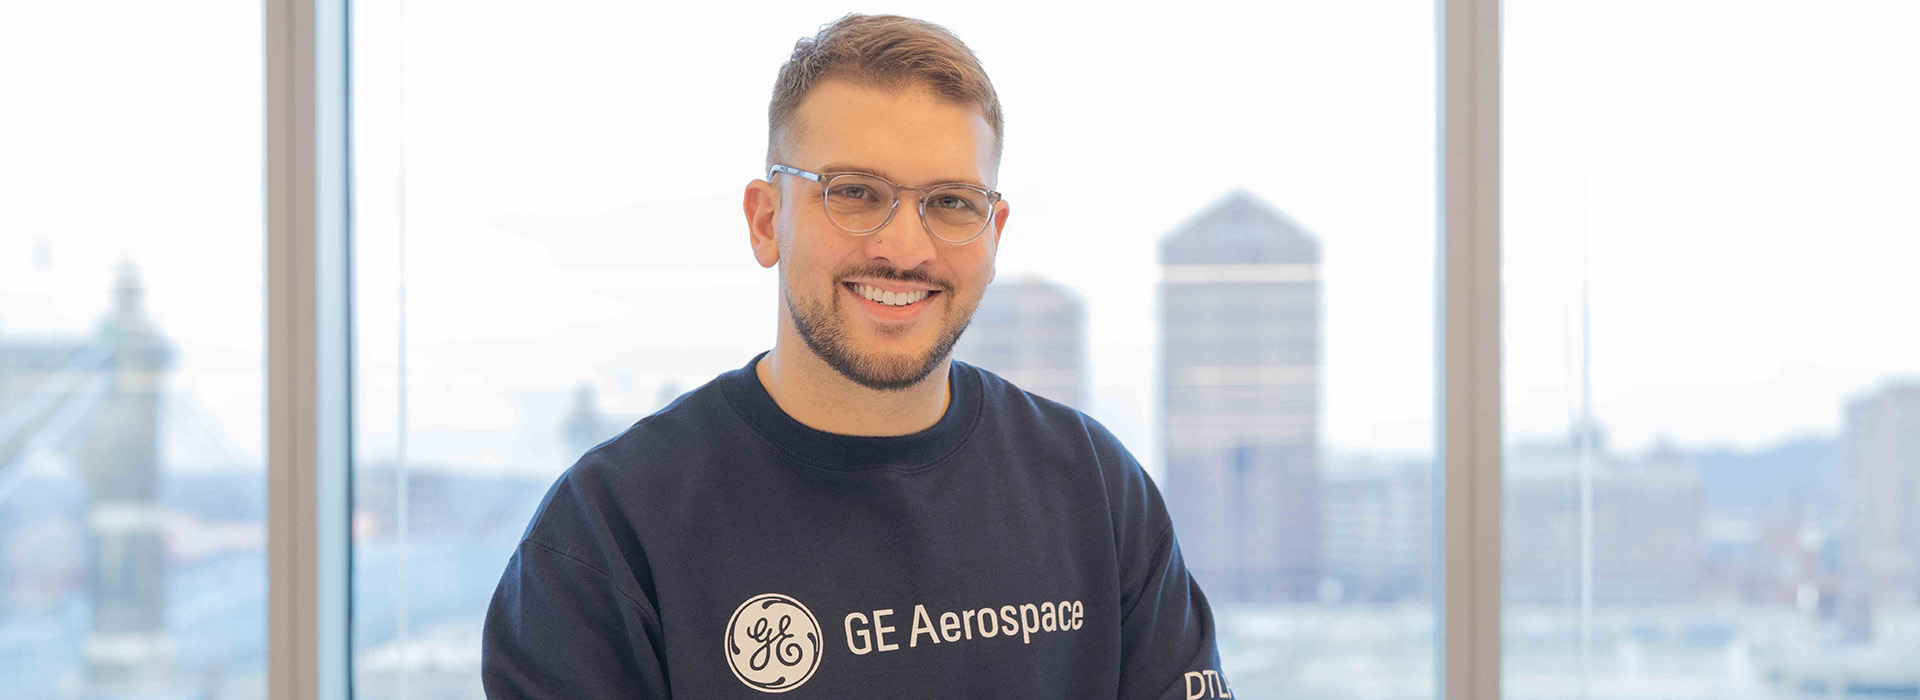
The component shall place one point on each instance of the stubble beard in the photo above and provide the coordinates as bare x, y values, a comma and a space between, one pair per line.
820, 327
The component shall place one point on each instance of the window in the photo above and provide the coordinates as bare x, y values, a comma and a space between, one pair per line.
549, 247
132, 485
1713, 385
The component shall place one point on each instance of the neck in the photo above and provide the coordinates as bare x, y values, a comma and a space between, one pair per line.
813, 393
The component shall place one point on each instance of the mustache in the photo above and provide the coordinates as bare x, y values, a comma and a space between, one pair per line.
893, 275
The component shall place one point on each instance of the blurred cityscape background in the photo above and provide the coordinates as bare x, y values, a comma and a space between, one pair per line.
1711, 403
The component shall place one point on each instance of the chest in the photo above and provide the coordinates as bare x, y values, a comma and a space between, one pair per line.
1007, 578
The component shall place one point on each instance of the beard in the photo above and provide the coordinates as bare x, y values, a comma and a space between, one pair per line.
821, 327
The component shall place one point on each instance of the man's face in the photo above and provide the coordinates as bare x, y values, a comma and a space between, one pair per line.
914, 139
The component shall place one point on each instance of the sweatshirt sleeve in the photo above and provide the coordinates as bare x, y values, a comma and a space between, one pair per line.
560, 628
1167, 648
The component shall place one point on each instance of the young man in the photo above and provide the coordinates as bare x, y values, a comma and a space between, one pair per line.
852, 514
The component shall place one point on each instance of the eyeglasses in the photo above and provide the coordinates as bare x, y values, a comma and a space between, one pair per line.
860, 204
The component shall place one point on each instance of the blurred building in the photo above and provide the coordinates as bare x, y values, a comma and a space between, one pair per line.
1033, 332
585, 426
1377, 529
86, 414
1648, 528
1773, 523
1240, 300
1881, 555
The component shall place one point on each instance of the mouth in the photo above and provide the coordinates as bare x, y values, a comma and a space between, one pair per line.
890, 307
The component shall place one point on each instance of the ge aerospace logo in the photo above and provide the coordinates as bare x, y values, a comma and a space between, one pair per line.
773, 643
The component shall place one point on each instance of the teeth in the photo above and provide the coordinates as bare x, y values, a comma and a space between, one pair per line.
890, 298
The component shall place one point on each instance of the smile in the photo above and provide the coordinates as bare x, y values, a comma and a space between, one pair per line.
890, 309
886, 298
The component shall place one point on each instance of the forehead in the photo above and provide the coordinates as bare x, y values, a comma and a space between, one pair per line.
911, 135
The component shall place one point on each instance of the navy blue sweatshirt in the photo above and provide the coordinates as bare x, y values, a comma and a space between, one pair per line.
720, 549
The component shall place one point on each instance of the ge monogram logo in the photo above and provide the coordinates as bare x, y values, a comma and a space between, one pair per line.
773, 643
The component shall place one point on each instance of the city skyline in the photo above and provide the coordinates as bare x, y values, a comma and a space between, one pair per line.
1365, 185
636, 399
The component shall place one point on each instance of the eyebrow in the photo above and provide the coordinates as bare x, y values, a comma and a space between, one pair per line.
848, 168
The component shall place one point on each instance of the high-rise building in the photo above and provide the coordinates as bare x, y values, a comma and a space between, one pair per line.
1240, 301
1881, 555
1033, 332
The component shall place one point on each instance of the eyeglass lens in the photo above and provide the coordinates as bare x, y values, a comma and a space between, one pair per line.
860, 204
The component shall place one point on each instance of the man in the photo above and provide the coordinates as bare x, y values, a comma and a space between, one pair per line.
853, 514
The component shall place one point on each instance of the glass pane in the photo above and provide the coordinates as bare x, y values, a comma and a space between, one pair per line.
551, 247
1713, 481
132, 487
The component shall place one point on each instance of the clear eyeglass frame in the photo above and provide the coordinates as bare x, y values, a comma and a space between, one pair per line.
826, 185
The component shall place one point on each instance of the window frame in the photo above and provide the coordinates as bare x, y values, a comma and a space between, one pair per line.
309, 348
1467, 351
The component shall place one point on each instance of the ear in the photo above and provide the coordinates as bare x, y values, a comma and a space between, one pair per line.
1000, 214
761, 203
999, 228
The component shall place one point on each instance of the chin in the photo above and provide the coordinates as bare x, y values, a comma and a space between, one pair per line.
894, 362
869, 357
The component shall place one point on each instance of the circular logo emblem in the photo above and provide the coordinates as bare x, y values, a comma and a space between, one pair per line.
773, 643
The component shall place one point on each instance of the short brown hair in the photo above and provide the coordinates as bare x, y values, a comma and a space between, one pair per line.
888, 52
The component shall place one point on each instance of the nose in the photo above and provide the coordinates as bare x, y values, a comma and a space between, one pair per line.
904, 241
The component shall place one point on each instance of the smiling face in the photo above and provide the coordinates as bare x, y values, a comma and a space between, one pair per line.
912, 138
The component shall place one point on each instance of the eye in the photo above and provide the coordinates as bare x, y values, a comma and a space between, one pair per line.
853, 192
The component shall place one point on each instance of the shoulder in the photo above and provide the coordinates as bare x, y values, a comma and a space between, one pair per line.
617, 480
1037, 417
1074, 435
1068, 439
600, 512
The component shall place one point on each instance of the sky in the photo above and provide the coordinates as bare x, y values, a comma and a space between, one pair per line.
1734, 179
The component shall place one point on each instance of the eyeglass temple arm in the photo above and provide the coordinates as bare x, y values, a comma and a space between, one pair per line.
777, 168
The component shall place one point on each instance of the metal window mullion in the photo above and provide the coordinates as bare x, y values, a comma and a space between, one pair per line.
308, 403
1467, 350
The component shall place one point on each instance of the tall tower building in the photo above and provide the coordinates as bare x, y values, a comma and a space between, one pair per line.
1033, 332
129, 648
1881, 557
1240, 302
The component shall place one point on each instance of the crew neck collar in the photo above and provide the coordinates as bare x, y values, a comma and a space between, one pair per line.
911, 452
